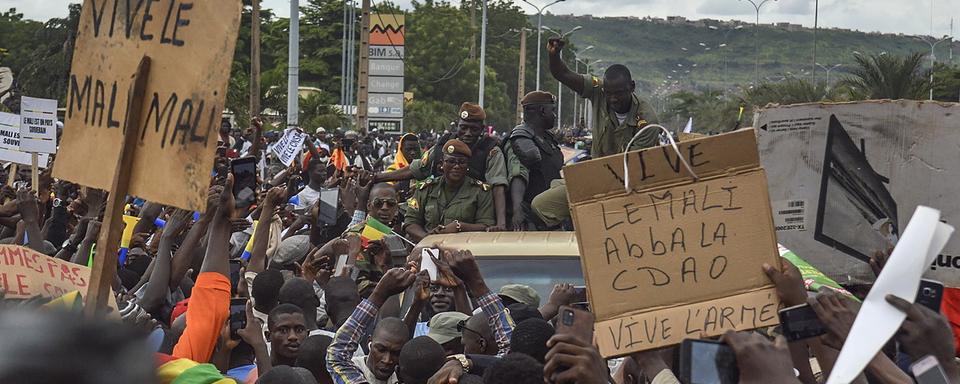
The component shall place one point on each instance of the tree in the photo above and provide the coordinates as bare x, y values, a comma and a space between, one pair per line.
887, 76
946, 83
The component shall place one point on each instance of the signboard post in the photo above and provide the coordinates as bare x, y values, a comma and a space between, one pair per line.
385, 97
157, 129
38, 131
678, 256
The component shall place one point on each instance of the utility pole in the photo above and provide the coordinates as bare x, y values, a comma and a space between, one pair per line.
293, 67
364, 67
351, 54
343, 60
255, 59
816, 16
483, 50
473, 29
521, 75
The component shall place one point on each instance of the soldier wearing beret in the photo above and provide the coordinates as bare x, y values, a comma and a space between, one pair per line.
533, 157
453, 202
618, 114
486, 162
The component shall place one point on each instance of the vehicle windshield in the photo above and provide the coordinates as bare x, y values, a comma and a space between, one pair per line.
540, 273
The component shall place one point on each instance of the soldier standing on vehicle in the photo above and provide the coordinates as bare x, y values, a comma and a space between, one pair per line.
533, 157
618, 114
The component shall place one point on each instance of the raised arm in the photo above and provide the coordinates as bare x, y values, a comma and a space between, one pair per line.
261, 236
184, 256
158, 286
210, 298
559, 70
30, 214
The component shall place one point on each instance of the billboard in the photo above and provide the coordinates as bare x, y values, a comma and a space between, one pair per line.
385, 98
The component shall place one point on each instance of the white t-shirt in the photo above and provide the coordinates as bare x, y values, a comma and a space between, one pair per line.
621, 117
361, 362
307, 198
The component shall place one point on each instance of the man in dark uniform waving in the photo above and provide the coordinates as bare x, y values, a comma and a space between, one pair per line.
486, 162
533, 157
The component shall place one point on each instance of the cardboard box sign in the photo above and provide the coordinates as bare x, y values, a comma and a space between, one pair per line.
191, 46
844, 179
675, 258
25, 273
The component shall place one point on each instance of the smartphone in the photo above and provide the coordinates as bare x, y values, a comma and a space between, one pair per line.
928, 371
329, 204
427, 264
238, 316
930, 294
576, 322
707, 362
579, 294
801, 322
244, 172
341, 264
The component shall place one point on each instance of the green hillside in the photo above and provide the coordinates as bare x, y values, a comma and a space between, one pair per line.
653, 48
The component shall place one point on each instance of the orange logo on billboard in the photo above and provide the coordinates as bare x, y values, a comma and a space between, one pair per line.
386, 29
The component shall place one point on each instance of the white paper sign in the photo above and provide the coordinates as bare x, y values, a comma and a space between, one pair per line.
10, 142
289, 146
38, 125
877, 320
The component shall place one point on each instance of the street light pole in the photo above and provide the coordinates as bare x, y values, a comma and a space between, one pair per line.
933, 55
816, 16
539, 32
828, 70
756, 41
576, 65
483, 51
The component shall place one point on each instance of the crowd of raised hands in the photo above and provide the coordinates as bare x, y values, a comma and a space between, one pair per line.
290, 300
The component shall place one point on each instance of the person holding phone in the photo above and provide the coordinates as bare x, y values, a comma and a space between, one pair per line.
452, 203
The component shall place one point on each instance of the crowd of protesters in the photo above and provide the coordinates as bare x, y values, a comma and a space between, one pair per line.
261, 292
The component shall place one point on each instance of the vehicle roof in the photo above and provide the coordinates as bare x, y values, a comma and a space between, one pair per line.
493, 244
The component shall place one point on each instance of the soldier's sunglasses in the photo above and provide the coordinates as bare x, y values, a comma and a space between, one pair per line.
380, 202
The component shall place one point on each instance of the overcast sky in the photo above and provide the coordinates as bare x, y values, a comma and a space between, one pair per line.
907, 16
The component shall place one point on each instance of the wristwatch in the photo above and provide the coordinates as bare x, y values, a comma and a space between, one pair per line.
463, 360
459, 227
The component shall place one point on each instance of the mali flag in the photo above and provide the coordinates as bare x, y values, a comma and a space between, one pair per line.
374, 230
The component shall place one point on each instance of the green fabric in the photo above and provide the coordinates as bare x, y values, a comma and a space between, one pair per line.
813, 279
473, 204
376, 224
609, 135
199, 374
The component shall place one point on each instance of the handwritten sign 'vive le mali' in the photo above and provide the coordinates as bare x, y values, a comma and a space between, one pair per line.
675, 258
191, 46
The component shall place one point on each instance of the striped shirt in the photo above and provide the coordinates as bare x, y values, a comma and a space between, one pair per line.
341, 351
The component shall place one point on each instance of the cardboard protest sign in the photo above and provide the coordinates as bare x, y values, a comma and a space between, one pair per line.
25, 273
10, 142
675, 258
844, 178
191, 47
38, 125
289, 146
